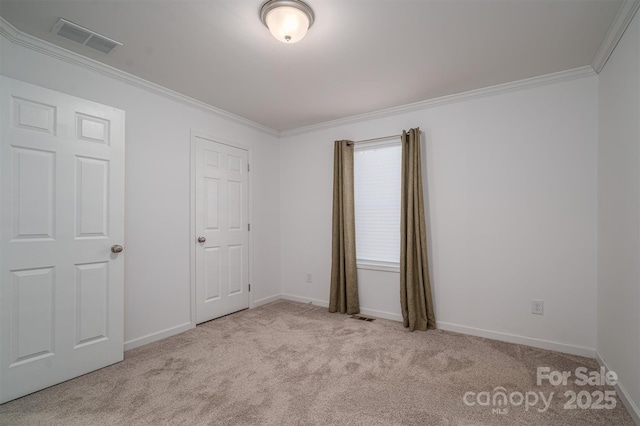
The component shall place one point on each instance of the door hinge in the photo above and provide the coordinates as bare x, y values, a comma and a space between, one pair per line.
249, 287
248, 227
248, 167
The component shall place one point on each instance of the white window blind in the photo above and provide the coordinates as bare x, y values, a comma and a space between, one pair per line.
377, 179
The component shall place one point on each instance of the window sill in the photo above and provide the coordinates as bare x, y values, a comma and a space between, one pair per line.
379, 266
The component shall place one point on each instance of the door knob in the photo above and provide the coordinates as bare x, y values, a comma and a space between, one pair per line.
117, 248
201, 239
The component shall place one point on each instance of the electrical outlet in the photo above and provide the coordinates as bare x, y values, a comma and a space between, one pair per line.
537, 307
309, 277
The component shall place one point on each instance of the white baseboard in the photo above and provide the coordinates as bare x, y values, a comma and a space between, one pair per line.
495, 335
317, 302
364, 311
631, 406
266, 300
381, 314
522, 340
154, 337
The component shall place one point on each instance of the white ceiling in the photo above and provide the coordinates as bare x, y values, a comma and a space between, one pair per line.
359, 56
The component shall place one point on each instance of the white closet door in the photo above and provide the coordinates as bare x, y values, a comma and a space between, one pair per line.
62, 214
222, 245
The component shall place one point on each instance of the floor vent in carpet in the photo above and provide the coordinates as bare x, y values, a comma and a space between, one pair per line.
362, 318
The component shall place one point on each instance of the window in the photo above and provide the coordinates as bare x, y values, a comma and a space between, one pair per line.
377, 180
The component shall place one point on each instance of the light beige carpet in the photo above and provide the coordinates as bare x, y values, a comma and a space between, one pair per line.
288, 363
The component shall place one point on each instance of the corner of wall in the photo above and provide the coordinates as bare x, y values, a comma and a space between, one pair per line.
622, 393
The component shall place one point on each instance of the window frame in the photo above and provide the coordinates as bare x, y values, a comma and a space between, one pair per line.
376, 265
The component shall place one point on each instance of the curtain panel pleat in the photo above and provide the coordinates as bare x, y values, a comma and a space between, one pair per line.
344, 275
415, 288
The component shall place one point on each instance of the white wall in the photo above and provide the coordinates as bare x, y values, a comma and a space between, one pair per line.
530, 194
511, 190
157, 211
619, 213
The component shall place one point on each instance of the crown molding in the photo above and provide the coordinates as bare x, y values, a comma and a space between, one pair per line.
625, 14
18, 37
543, 80
619, 25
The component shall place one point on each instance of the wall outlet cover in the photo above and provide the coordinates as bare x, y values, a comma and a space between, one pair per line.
537, 307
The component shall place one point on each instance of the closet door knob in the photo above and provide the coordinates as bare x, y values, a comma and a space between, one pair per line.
201, 239
117, 248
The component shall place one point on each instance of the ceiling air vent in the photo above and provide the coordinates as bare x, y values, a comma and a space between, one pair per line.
75, 32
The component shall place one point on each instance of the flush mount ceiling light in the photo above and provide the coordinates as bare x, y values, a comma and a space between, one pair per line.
287, 20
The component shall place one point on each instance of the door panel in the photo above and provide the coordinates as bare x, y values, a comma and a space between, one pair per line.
92, 197
222, 269
33, 193
212, 274
34, 116
92, 315
234, 192
62, 198
32, 291
211, 201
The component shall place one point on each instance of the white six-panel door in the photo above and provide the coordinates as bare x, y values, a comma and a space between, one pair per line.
221, 225
61, 290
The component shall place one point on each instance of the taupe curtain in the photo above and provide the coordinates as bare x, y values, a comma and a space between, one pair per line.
415, 288
344, 274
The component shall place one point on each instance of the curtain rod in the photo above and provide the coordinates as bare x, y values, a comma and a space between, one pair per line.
378, 139
375, 139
